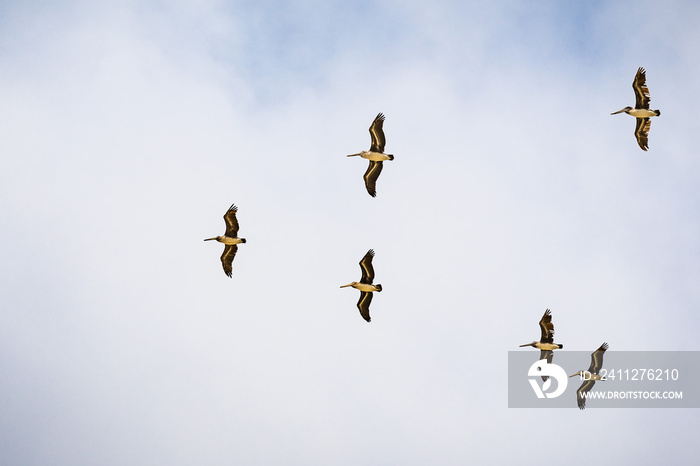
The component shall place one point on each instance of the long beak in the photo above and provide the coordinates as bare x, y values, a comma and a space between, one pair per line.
578, 373
210, 239
345, 286
353, 155
619, 111
526, 344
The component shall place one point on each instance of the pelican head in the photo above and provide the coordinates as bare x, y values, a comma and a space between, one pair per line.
349, 284
626, 110
530, 344
216, 238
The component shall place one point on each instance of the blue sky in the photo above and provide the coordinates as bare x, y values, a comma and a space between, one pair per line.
129, 128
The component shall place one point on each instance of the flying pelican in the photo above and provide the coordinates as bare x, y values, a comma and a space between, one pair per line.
593, 372
546, 343
230, 239
641, 109
375, 155
365, 285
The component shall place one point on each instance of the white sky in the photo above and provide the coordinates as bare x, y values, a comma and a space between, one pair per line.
130, 127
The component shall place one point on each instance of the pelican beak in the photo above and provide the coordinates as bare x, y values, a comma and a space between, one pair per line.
353, 155
209, 239
619, 111
345, 286
526, 344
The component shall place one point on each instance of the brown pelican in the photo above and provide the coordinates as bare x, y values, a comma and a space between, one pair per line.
365, 285
230, 239
591, 375
375, 155
546, 343
641, 109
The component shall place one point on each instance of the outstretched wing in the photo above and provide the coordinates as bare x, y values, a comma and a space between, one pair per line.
377, 133
547, 328
231, 222
597, 359
363, 304
584, 388
367, 269
371, 175
230, 251
641, 132
641, 91
549, 356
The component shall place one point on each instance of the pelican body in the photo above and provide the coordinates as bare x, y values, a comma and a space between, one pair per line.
230, 239
546, 344
375, 155
641, 110
591, 375
365, 285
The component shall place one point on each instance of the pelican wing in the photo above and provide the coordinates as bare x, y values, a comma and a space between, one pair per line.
641, 132
549, 356
367, 269
363, 304
371, 175
641, 91
584, 388
231, 222
230, 251
597, 359
377, 133
547, 328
